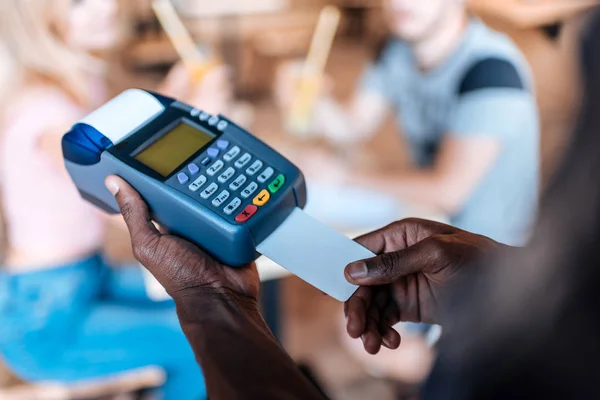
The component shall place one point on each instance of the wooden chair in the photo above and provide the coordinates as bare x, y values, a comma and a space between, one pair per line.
118, 386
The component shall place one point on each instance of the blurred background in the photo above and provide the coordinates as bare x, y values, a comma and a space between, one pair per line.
263, 44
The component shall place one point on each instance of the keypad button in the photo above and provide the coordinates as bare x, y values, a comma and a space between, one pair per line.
216, 167
232, 206
266, 174
221, 198
231, 154
239, 181
213, 121
212, 152
204, 116
277, 183
195, 112
262, 198
222, 125
209, 191
193, 168
249, 190
206, 161
182, 178
248, 213
254, 168
245, 159
227, 175
198, 183
222, 144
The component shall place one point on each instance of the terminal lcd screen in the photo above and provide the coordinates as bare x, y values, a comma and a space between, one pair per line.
166, 154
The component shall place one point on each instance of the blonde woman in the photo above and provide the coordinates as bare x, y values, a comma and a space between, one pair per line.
64, 315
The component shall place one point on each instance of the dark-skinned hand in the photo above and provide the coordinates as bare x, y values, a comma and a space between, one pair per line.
180, 266
416, 261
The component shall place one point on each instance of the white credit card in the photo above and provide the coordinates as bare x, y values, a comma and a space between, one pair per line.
315, 253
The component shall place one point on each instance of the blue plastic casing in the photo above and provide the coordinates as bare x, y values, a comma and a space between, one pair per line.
90, 156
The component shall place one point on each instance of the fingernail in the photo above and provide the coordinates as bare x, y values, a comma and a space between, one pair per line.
386, 343
112, 186
358, 270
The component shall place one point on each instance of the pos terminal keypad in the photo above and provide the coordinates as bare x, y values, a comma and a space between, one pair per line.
231, 181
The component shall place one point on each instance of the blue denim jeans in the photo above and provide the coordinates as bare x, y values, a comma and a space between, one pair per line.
86, 320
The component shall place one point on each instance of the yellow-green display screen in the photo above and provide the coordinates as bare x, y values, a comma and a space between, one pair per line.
171, 150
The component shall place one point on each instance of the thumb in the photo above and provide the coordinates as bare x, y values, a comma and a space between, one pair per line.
391, 267
134, 210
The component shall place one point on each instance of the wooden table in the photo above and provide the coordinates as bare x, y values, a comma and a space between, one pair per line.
531, 13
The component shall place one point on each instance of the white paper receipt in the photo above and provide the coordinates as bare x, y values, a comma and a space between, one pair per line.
315, 253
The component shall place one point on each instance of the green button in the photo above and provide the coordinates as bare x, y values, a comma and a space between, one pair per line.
277, 183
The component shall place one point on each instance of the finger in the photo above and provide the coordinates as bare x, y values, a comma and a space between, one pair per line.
402, 234
390, 338
388, 268
412, 300
372, 337
390, 314
381, 239
134, 210
356, 309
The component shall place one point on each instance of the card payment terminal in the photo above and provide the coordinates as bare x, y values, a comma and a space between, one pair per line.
209, 181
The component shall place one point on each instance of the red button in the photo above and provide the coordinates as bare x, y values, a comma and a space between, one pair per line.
245, 215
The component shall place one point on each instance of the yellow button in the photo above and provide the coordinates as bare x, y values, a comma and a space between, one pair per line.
262, 198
